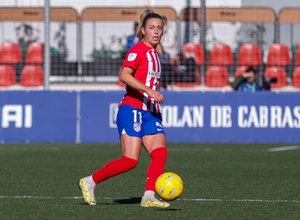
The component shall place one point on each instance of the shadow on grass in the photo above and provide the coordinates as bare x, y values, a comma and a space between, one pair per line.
137, 200
130, 201
99, 203
133, 200
168, 209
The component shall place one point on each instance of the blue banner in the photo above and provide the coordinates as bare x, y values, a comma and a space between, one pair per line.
90, 116
98, 113
214, 117
38, 116
232, 117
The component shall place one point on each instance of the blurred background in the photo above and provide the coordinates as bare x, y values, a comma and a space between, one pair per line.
87, 40
53, 51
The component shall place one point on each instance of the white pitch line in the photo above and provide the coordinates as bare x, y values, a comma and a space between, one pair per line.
214, 150
243, 200
231, 150
195, 200
37, 197
26, 197
284, 148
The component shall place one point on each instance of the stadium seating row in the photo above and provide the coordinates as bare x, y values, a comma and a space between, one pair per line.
32, 73
216, 75
221, 56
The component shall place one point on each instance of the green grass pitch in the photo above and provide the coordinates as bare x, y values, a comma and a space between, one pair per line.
221, 181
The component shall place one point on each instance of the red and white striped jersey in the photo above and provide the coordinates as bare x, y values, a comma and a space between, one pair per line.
146, 67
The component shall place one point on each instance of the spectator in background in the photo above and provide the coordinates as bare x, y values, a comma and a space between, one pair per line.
132, 39
168, 40
249, 81
186, 68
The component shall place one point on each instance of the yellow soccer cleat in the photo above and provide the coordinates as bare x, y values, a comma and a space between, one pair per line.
87, 191
153, 202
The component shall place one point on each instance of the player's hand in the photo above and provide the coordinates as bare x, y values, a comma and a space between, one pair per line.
157, 96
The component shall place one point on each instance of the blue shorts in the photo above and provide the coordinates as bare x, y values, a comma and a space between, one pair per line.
138, 123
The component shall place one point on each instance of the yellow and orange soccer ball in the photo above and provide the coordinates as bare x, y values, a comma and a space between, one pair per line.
169, 186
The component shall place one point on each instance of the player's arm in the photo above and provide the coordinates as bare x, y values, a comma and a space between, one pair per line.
126, 76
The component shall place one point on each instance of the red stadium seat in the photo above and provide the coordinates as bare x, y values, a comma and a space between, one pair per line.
198, 51
240, 70
296, 77
221, 54
297, 59
35, 53
278, 73
216, 76
7, 75
250, 55
278, 55
32, 75
191, 84
10, 53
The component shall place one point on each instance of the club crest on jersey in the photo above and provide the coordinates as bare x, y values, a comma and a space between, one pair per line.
131, 56
137, 127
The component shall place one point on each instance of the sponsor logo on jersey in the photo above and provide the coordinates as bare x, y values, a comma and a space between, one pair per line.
154, 74
131, 56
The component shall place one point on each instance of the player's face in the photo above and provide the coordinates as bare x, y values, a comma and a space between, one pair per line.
153, 31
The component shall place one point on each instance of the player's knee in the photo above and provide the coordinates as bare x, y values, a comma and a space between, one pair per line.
129, 163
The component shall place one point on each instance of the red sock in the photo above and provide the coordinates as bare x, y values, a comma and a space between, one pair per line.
114, 168
156, 167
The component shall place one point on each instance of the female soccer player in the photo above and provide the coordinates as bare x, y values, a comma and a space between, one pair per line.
139, 119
